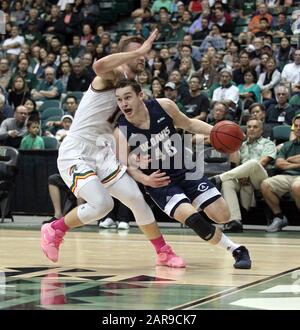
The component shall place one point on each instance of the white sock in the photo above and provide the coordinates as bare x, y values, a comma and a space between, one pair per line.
227, 243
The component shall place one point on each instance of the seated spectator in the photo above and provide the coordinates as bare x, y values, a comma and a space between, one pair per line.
5, 72
79, 79
249, 91
156, 88
140, 12
288, 162
22, 70
291, 72
207, 73
269, 79
284, 54
33, 114
251, 160
258, 111
144, 79
218, 113
63, 73
214, 39
282, 112
32, 140
196, 104
49, 88
12, 45
66, 124
170, 92
12, 130
227, 92
262, 12
6, 110
18, 93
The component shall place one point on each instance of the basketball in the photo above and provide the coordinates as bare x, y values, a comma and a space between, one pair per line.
226, 136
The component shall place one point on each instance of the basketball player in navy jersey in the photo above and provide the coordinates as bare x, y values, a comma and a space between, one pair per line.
152, 123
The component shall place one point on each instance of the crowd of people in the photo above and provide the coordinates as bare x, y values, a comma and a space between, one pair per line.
201, 60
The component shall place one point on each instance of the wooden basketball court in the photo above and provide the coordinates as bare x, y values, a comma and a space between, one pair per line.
110, 270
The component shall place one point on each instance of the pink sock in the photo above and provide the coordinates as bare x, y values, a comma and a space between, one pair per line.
158, 243
60, 225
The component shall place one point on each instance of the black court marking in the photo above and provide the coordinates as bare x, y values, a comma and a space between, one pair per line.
231, 291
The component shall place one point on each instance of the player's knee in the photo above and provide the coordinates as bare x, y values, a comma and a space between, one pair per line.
105, 206
201, 227
222, 216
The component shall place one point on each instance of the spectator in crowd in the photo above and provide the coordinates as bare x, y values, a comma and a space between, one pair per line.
284, 54
54, 25
262, 12
251, 160
33, 114
282, 112
79, 79
181, 85
49, 88
5, 72
140, 12
32, 140
158, 4
12, 130
249, 91
66, 124
238, 74
258, 111
218, 113
207, 73
170, 92
196, 104
227, 92
157, 86
291, 72
169, 62
22, 71
288, 162
76, 50
5, 110
177, 32
18, 93
269, 79
63, 73
144, 79
12, 45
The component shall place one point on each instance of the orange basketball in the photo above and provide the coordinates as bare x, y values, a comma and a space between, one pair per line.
226, 136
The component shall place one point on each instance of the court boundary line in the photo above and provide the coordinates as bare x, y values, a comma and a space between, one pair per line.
231, 291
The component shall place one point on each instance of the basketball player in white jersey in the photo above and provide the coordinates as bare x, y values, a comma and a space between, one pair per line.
89, 166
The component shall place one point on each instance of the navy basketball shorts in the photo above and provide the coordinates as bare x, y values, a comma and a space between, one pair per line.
200, 193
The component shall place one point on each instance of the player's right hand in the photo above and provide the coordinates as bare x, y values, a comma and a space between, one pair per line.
147, 45
158, 179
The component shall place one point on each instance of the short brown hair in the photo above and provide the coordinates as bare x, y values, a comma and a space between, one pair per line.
126, 40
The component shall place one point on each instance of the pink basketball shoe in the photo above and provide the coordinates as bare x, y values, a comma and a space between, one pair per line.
50, 241
167, 257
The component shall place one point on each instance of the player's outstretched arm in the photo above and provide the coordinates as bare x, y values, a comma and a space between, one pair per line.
182, 121
111, 62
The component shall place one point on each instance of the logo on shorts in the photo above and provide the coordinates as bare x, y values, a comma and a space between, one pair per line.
203, 187
160, 119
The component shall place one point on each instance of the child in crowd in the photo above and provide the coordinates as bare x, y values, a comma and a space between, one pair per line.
32, 140
66, 121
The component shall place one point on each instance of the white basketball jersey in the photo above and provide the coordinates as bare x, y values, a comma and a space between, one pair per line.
94, 109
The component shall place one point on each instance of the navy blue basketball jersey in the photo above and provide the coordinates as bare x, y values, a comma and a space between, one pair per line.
161, 142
